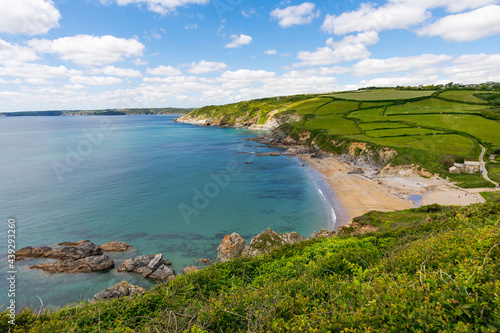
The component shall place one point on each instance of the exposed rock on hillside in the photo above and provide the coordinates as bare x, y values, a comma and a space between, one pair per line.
234, 246
269, 240
231, 247
84, 265
151, 266
75, 251
356, 228
119, 290
323, 234
115, 246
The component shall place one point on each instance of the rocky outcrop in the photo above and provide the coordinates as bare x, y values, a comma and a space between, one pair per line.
122, 289
204, 261
404, 171
323, 234
151, 266
115, 246
189, 269
274, 119
356, 228
269, 240
234, 246
231, 247
85, 265
75, 251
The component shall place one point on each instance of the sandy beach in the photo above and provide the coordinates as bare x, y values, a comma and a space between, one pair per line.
360, 194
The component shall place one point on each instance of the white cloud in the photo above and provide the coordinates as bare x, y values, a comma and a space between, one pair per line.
171, 79
248, 13
95, 80
474, 68
204, 67
394, 14
468, 26
239, 41
376, 66
271, 52
139, 62
369, 18
246, 75
160, 6
88, 50
110, 70
30, 70
399, 81
164, 71
30, 17
351, 47
16, 52
295, 15
191, 26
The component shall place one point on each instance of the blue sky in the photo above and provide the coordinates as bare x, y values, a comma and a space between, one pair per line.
97, 54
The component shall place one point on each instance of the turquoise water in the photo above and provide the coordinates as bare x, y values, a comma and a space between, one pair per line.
160, 186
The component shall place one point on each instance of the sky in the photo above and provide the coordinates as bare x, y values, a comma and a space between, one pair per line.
102, 54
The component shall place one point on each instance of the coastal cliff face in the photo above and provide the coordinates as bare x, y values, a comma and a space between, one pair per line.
273, 120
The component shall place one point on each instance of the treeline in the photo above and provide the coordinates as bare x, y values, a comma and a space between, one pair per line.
106, 112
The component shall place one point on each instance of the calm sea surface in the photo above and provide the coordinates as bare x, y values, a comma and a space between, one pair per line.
160, 186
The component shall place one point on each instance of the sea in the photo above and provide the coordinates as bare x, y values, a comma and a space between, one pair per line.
161, 186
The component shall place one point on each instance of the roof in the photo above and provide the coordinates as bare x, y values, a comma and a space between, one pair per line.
472, 163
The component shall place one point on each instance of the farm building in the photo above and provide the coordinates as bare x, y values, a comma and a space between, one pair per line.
454, 169
467, 166
492, 157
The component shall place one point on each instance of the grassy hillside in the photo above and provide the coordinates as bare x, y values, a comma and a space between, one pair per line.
431, 128
431, 269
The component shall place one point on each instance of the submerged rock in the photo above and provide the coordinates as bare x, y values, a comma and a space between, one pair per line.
274, 153
204, 261
84, 265
119, 290
231, 247
79, 250
151, 266
115, 246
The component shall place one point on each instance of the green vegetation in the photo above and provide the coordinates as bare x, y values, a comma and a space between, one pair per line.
493, 171
383, 95
430, 269
109, 112
467, 96
430, 126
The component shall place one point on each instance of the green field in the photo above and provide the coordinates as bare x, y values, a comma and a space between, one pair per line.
333, 125
401, 132
463, 96
375, 126
383, 95
486, 130
308, 106
337, 107
434, 105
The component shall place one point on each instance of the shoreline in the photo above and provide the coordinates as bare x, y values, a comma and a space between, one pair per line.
361, 193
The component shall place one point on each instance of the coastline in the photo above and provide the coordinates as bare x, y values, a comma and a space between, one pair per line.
360, 194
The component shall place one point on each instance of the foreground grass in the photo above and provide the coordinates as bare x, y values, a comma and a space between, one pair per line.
433, 269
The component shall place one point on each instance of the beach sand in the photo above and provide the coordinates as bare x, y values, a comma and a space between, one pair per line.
360, 194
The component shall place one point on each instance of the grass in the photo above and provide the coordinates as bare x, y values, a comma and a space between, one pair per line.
431, 269
493, 171
381, 125
333, 124
486, 130
308, 106
395, 132
383, 95
463, 96
434, 105
337, 107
